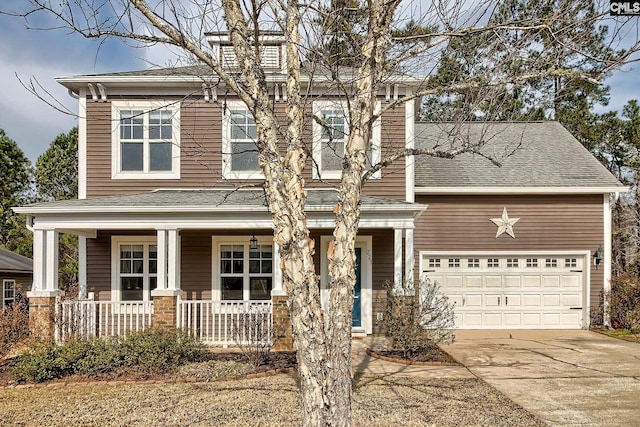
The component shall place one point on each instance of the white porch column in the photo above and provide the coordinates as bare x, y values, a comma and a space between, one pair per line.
51, 267
409, 260
276, 289
45, 263
168, 272
39, 261
173, 260
162, 260
397, 257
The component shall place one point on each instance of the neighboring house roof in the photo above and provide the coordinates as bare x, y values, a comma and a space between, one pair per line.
11, 262
208, 200
540, 156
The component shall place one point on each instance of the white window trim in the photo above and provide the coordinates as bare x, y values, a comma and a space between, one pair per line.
116, 157
6, 282
116, 241
217, 241
366, 283
227, 150
376, 150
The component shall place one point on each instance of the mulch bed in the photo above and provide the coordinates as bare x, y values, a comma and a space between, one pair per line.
277, 361
430, 355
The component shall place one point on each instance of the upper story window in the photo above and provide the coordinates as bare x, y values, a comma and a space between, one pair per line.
145, 140
330, 134
239, 149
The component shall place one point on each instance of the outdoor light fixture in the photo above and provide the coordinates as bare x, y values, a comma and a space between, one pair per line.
597, 256
253, 242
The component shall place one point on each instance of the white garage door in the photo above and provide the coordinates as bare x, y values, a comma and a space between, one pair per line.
510, 292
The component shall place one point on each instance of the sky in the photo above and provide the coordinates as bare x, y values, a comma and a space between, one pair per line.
43, 55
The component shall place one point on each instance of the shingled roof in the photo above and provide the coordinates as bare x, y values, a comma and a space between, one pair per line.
11, 262
531, 155
207, 200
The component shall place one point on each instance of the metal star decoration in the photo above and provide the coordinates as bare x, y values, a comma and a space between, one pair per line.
505, 224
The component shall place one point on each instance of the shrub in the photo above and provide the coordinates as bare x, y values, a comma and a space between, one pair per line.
150, 351
624, 302
14, 323
417, 317
254, 335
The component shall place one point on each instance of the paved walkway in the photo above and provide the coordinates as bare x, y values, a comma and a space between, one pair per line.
567, 378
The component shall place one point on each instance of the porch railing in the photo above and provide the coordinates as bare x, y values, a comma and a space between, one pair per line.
226, 322
88, 318
212, 322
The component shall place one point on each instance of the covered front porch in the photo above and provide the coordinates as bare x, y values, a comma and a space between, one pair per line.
203, 261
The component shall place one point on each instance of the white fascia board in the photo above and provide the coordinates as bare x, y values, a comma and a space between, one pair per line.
417, 208
222, 220
519, 190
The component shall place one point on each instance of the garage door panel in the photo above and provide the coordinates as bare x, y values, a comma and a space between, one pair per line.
531, 319
493, 281
453, 281
471, 319
493, 319
473, 300
551, 281
531, 300
512, 300
550, 300
474, 282
513, 319
532, 281
512, 281
571, 300
532, 293
492, 300
571, 282
550, 319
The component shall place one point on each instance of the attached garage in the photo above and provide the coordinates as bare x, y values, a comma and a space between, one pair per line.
512, 290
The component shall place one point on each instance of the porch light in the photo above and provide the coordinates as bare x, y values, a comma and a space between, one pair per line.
597, 256
253, 242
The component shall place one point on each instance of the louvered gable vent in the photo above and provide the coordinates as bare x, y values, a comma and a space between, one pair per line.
270, 57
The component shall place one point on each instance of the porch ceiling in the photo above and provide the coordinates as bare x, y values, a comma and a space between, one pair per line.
210, 208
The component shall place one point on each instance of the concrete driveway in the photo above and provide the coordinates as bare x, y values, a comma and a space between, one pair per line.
567, 378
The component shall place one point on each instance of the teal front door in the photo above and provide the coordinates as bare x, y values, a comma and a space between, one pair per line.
356, 314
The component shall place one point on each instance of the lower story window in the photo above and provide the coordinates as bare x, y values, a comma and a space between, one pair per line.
136, 272
245, 273
8, 292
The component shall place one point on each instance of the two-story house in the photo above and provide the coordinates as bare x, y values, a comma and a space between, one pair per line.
174, 227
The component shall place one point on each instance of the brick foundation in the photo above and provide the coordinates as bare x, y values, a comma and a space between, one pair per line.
42, 311
281, 324
165, 312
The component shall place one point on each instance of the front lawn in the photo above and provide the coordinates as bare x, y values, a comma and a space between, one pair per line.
269, 401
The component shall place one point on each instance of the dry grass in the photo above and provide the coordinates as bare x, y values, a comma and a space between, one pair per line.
377, 401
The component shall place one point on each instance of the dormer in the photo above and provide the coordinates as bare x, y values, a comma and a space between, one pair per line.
271, 49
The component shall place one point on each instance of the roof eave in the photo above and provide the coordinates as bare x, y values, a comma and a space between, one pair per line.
520, 190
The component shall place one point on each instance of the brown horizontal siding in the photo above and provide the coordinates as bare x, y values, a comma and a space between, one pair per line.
195, 268
547, 223
201, 144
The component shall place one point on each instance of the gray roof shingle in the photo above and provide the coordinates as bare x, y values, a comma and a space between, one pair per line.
207, 200
532, 154
11, 262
